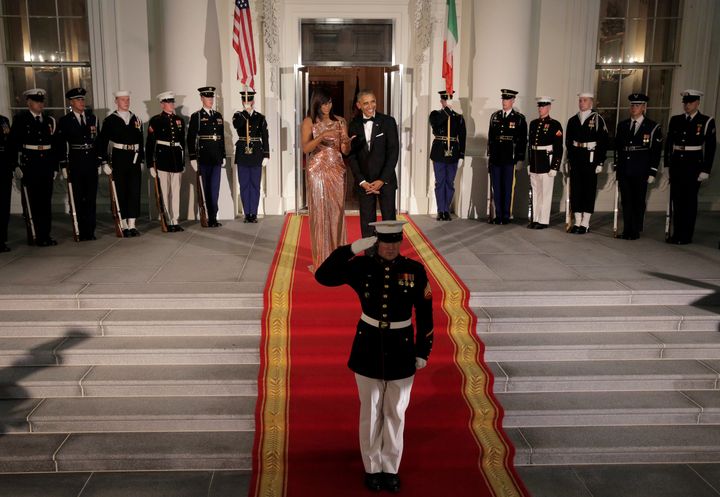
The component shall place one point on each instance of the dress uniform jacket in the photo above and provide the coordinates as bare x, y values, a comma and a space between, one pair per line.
206, 137
544, 133
259, 141
77, 143
439, 124
697, 134
26, 136
586, 141
6, 167
165, 144
507, 138
638, 154
388, 291
114, 131
6, 175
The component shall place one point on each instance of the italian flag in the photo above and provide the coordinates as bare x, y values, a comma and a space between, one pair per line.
449, 42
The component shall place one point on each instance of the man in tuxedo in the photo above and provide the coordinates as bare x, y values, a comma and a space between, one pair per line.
373, 155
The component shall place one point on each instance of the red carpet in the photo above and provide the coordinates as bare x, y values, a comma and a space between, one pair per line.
306, 443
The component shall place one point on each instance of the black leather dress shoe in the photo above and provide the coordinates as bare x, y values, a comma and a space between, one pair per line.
134, 232
683, 242
126, 233
171, 228
541, 226
373, 481
48, 242
574, 229
532, 225
4, 248
447, 216
582, 230
391, 482
505, 221
248, 219
179, 228
253, 218
440, 216
497, 220
214, 224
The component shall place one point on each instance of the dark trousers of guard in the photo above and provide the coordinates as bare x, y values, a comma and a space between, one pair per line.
368, 208
84, 181
501, 176
583, 188
39, 184
633, 190
684, 197
211, 184
249, 178
127, 177
5, 195
444, 184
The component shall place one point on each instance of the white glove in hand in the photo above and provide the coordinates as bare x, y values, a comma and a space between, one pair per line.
265, 162
193, 164
64, 172
528, 168
552, 173
223, 164
55, 173
107, 169
18, 173
651, 180
703, 176
664, 182
362, 244
153, 172
460, 162
420, 363
519, 165
598, 169
99, 170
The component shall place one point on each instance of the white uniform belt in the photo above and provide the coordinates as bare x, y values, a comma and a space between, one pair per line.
506, 138
243, 139
210, 137
393, 325
635, 148
169, 144
445, 138
547, 148
125, 146
86, 146
37, 147
588, 145
687, 148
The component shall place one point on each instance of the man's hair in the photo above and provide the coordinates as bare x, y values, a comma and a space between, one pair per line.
364, 92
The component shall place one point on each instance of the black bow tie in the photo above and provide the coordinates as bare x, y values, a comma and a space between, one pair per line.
369, 119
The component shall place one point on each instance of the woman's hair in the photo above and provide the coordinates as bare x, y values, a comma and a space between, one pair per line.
320, 97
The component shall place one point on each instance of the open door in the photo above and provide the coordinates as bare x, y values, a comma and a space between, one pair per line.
398, 87
302, 98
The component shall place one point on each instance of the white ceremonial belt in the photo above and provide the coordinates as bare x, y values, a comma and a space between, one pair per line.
687, 148
445, 138
37, 147
547, 148
252, 139
169, 144
125, 146
393, 325
635, 148
210, 137
588, 145
86, 146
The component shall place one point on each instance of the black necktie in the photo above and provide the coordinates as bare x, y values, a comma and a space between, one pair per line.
369, 119
82, 120
632, 127
37, 118
689, 118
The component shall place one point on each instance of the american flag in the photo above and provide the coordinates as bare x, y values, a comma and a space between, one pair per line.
243, 43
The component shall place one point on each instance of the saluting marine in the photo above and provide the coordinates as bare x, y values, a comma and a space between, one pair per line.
166, 152
252, 153
586, 139
689, 152
448, 149
507, 139
32, 135
545, 150
6, 176
206, 147
122, 133
638, 145
77, 133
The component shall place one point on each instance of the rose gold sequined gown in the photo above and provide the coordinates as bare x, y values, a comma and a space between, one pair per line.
325, 185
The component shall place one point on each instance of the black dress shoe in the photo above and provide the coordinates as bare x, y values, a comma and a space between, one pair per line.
248, 219
47, 242
582, 230
440, 216
391, 482
541, 226
532, 225
447, 216
171, 228
574, 229
683, 242
497, 220
4, 248
373, 481
214, 224
505, 221
253, 218
126, 233
179, 228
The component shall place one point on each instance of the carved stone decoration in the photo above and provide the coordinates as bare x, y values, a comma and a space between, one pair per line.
269, 14
423, 29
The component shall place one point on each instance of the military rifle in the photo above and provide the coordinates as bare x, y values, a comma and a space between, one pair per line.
490, 206
668, 219
120, 225
27, 214
71, 203
202, 205
164, 218
615, 210
568, 214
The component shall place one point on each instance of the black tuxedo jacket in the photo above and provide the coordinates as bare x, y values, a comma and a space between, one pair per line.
377, 161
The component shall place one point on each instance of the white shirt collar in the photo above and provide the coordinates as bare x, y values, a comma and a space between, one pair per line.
209, 111
583, 115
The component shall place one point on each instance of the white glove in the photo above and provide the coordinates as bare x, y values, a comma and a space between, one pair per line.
519, 165
651, 180
664, 182
362, 244
703, 176
598, 169
153, 172
223, 164
420, 363
55, 173
552, 173
611, 179
18, 173
106, 168
460, 162
193, 164
528, 168
64, 172
265, 162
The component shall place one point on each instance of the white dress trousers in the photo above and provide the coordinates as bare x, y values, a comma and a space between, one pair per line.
542, 189
170, 187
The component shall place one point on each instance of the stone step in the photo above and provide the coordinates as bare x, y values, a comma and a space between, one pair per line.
153, 322
155, 451
616, 444
129, 350
609, 408
595, 376
604, 346
128, 414
122, 381
607, 318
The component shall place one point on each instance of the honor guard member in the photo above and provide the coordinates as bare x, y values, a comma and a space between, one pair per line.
448, 149
586, 140
545, 151
32, 135
507, 141
122, 134
638, 145
77, 133
689, 152
6, 177
252, 153
206, 147
166, 150
385, 352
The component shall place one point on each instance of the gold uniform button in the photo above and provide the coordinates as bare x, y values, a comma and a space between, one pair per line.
384, 315
384, 306
387, 276
386, 286
384, 295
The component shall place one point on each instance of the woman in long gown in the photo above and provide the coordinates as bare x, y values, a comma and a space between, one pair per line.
325, 138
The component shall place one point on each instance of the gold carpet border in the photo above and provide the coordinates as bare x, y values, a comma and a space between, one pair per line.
272, 448
476, 380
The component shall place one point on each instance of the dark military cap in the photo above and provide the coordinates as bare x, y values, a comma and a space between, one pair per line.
691, 95
638, 98
389, 231
506, 94
207, 91
445, 95
247, 95
75, 93
37, 94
